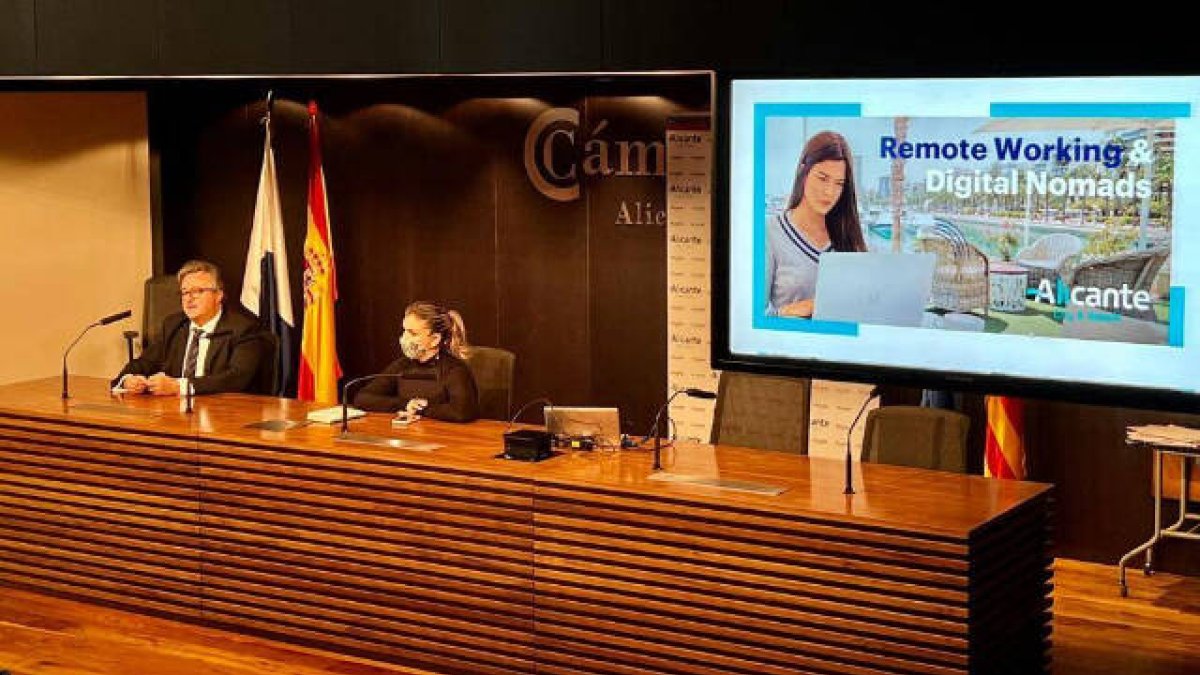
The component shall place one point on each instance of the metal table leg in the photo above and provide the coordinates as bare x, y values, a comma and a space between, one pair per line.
1177, 530
1148, 547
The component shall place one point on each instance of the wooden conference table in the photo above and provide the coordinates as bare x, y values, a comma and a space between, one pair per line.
455, 561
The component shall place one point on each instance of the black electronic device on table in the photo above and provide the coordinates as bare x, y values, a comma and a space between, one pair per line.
527, 445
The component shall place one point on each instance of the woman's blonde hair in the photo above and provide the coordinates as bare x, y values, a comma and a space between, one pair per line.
444, 322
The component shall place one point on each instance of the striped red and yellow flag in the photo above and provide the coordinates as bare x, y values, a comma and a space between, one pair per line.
1004, 453
319, 366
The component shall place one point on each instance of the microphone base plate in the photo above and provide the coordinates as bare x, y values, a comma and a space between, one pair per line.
385, 441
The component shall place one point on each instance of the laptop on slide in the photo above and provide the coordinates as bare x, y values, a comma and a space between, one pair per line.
886, 289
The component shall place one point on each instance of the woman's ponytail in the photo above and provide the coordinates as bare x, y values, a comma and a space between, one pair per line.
447, 323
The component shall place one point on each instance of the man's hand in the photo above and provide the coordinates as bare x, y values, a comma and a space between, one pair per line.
161, 384
135, 384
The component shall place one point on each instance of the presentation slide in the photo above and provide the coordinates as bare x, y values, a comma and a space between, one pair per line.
1043, 229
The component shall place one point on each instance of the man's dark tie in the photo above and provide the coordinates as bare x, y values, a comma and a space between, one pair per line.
189, 364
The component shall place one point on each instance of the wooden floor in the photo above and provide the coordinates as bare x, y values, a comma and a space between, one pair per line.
41, 635
1155, 631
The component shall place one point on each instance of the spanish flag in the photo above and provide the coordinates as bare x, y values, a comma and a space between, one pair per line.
1004, 453
319, 367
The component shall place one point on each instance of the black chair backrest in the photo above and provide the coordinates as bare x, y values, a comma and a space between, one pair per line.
762, 411
493, 370
926, 438
160, 301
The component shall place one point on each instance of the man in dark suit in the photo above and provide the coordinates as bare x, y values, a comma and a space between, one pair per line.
208, 346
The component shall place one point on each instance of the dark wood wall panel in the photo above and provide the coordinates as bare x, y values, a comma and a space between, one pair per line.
97, 37
109, 518
626, 255
534, 35
414, 221
18, 36
231, 145
225, 36
714, 34
543, 295
149, 37
369, 36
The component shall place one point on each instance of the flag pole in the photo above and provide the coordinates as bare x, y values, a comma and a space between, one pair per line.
266, 291
266, 119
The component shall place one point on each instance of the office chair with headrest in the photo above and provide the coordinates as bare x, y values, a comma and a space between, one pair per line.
160, 301
493, 369
926, 438
762, 411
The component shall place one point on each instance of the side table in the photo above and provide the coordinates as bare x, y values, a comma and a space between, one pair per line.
1180, 529
1007, 283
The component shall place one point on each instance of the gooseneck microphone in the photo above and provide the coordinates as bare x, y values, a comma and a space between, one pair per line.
112, 318
654, 430
875, 391
513, 420
351, 383
189, 392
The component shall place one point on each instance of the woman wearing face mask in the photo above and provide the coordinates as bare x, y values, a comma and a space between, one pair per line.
434, 380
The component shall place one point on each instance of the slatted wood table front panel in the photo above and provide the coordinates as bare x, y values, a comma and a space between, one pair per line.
426, 566
98, 513
906, 576
458, 562
672, 588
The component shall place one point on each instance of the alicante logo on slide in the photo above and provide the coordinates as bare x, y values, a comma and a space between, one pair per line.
1092, 303
558, 153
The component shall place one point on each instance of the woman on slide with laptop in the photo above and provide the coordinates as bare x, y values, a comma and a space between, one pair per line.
432, 379
822, 215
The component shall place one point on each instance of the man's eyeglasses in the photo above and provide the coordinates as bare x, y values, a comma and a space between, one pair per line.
196, 292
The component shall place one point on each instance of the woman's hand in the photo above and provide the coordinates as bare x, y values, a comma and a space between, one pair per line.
414, 407
801, 309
